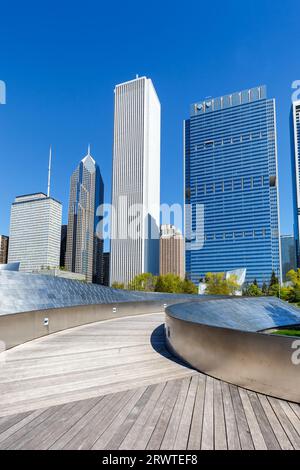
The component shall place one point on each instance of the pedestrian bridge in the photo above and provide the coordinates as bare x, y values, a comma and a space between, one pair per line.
113, 385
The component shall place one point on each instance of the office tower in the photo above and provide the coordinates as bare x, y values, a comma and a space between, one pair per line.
171, 251
4, 240
295, 153
231, 185
84, 242
105, 269
35, 225
288, 254
63, 245
136, 181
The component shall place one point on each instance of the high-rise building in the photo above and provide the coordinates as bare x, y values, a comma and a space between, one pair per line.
35, 225
295, 152
63, 245
288, 254
136, 181
231, 182
84, 242
105, 269
171, 251
4, 240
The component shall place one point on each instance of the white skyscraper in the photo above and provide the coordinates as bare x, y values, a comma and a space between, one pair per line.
136, 181
35, 226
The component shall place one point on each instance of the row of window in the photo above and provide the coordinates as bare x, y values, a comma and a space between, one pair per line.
259, 233
235, 235
234, 184
234, 140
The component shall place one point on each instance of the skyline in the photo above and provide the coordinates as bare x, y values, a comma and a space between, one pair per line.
66, 99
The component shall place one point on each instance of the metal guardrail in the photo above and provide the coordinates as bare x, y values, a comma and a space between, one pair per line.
19, 328
256, 361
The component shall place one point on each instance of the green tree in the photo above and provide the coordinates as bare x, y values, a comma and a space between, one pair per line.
188, 287
169, 283
294, 277
273, 280
143, 282
287, 293
217, 284
274, 290
118, 285
264, 289
253, 290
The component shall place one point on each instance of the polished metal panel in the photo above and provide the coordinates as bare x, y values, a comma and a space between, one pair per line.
24, 292
33, 305
250, 359
240, 313
10, 267
22, 327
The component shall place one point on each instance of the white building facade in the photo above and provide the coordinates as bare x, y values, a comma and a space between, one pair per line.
136, 181
35, 226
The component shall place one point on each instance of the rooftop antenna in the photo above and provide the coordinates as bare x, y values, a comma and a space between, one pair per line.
49, 172
89, 150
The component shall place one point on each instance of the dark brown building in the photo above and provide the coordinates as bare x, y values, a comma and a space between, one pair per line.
4, 240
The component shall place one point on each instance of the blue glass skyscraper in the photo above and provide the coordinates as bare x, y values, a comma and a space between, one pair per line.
295, 152
231, 173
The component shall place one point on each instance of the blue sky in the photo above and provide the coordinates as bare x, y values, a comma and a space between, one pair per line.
61, 61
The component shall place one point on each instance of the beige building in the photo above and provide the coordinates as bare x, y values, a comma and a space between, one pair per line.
3, 249
171, 251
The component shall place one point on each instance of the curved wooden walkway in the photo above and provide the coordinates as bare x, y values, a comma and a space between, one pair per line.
113, 385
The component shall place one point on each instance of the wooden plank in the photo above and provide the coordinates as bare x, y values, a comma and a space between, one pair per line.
69, 435
291, 415
195, 436
296, 408
145, 435
162, 424
135, 402
241, 420
89, 434
13, 440
23, 420
233, 440
128, 442
32, 439
8, 421
264, 424
220, 437
171, 432
118, 435
69, 366
278, 430
285, 423
207, 441
183, 431
256, 434
58, 426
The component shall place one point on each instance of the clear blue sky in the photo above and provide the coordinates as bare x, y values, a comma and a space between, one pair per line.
61, 60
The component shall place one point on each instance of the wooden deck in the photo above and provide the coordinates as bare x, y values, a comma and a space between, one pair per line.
113, 385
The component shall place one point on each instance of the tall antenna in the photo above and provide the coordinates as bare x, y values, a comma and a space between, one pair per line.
49, 172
